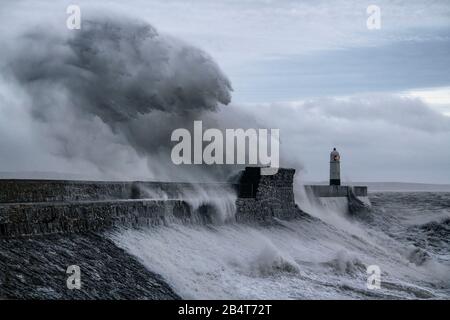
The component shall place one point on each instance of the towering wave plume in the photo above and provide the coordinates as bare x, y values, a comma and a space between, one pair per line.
115, 82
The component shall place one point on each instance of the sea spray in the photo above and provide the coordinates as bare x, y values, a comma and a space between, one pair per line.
298, 259
214, 202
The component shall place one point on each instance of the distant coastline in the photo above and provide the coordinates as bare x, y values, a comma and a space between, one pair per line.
397, 186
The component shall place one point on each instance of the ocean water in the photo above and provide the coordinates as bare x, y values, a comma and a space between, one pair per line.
324, 255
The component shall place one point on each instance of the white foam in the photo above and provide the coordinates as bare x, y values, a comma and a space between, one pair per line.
300, 259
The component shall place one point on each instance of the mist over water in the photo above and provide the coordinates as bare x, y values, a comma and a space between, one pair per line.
322, 256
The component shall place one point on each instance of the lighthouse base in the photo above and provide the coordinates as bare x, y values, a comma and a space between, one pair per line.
336, 190
335, 182
345, 199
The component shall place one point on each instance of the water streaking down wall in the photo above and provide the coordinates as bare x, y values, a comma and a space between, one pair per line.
346, 199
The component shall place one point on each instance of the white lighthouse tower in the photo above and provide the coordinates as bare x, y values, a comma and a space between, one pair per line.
335, 170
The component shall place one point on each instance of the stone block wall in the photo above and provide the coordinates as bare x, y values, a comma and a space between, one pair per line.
22, 191
273, 196
49, 218
25, 191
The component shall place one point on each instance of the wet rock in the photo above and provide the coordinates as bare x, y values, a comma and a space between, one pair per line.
35, 268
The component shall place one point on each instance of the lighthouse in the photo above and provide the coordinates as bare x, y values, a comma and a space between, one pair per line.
335, 170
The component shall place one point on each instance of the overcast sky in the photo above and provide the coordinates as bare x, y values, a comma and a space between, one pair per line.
310, 68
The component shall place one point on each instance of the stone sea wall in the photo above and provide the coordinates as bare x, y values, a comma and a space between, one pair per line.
36, 207
267, 196
26, 219
19, 191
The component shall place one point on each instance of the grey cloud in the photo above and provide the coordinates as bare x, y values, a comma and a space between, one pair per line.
117, 69
403, 111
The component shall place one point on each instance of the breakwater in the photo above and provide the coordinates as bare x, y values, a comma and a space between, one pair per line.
36, 207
